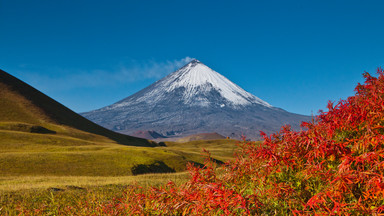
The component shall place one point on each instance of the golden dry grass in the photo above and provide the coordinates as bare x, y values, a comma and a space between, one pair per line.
22, 183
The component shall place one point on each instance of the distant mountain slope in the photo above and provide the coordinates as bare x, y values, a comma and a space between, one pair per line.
194, 99
23, 108
202, 136
151, 135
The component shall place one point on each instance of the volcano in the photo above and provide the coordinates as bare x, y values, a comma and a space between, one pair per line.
194, 99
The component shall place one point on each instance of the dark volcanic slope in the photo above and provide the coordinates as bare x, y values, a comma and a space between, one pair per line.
194, 99
21, 103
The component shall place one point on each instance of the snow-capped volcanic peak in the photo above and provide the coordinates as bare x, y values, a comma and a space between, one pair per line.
195, 84
197, 79
194, 99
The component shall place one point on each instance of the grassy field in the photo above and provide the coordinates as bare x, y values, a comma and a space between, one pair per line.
31, 154
54, 174
19, 194
14, 184
220, 149
56, 169
26, 154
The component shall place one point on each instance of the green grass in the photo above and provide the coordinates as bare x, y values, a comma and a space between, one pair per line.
24, 153
94, 164
82, 154
66, 171
38, 155
103, 162
220, 149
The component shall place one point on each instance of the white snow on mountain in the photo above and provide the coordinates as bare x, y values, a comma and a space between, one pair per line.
196, 74
196, 80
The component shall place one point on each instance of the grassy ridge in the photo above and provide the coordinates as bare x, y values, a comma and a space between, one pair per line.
25, 153
101, 171
82, 154
39, 136
102, 162
28, 154
20, 103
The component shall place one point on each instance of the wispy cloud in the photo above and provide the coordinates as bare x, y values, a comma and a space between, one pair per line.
125, 72
149, 69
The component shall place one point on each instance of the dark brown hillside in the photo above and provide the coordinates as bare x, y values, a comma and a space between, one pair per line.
22, 106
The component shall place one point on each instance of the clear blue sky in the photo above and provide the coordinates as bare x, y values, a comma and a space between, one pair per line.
295, 55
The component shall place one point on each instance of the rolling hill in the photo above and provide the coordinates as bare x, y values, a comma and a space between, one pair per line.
23, 108
41, 137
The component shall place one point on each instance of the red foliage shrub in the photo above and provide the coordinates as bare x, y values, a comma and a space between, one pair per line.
334, 166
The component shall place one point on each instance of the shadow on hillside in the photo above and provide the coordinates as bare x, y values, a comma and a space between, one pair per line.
22, 127
156, 167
